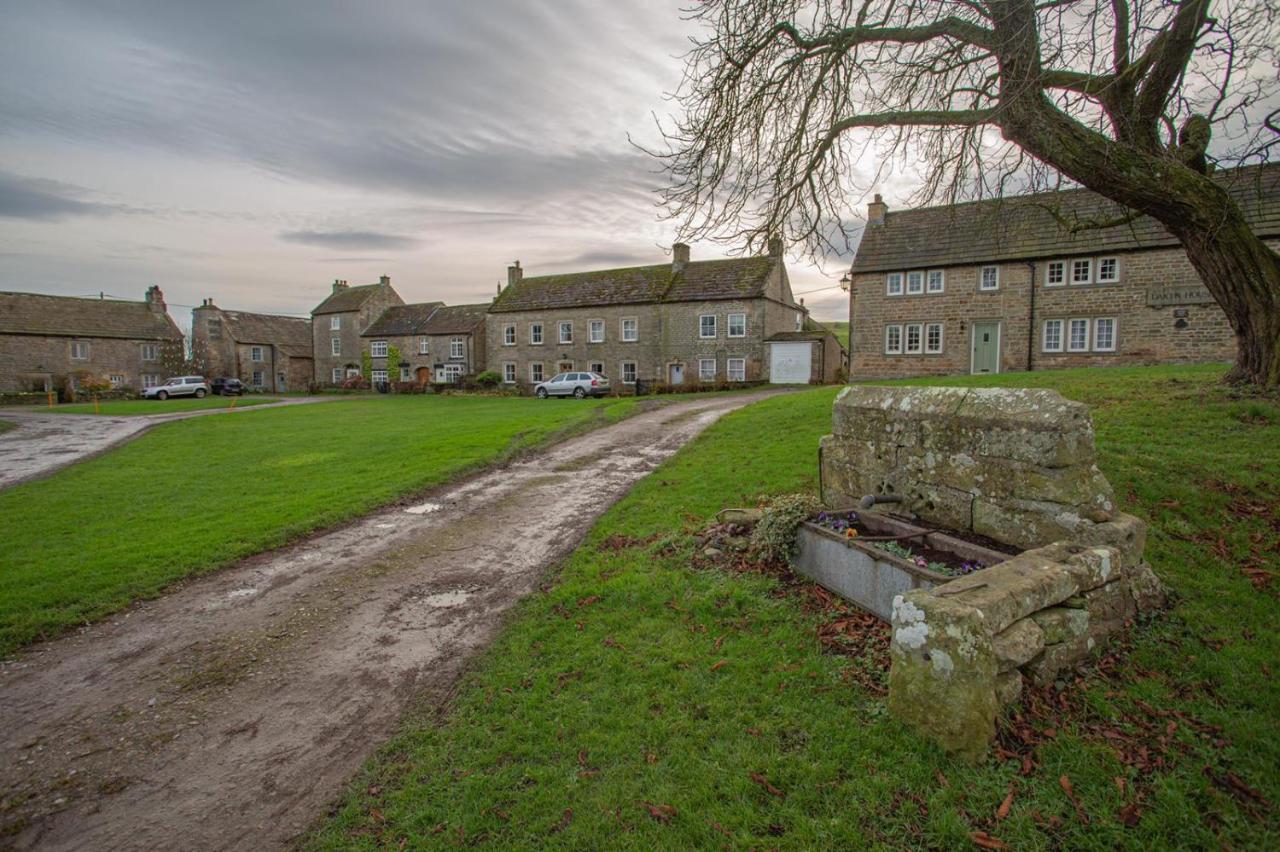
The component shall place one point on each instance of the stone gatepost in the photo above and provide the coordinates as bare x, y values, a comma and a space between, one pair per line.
1017, 466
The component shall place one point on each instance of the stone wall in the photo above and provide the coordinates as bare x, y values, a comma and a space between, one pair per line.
26, 359
1016, 465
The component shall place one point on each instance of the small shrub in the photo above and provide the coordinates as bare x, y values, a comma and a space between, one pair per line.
356, 383
774, 537
488, 379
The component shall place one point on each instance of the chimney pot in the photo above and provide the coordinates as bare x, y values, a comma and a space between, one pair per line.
155, 299
679, 256
876, 211
384, 280
339, 284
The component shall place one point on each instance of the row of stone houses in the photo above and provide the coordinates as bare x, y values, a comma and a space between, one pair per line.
1005, 285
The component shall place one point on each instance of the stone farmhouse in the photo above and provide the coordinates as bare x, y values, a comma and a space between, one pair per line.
46, 339
266, 351
435, 342
337, 322
679, 322
1004, 285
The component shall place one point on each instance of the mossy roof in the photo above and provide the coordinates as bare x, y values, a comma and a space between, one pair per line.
346, 299
1025, 228
402, 319
702, 280
38, 314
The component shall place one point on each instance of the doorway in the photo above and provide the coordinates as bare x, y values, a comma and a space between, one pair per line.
677, 374
986, 348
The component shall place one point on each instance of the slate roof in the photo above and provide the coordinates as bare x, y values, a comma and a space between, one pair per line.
271, 329
1024, 228
346, 299
38, 314
700, 280
456, 319
402, 319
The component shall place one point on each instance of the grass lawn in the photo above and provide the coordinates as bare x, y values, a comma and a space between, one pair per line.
130, 407
196, 494
641, 702
5, 426
841, 331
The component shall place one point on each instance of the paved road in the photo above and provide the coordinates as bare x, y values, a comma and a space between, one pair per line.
45, 442
230, 713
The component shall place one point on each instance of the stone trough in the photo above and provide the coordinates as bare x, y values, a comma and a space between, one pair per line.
1017, 467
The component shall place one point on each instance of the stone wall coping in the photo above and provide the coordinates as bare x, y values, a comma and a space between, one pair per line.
1038, 409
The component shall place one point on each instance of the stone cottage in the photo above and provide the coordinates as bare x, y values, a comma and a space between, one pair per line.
680, 322
46, 339
1004, 285
436, 342
265, 351
337, 322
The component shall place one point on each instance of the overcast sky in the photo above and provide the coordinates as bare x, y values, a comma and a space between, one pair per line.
254, 151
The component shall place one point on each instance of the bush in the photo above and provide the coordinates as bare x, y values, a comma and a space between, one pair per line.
488, 379
356, 383
774, 538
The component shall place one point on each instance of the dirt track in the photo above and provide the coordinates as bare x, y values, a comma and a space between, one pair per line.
230, 712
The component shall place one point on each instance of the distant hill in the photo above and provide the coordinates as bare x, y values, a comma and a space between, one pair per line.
841, 331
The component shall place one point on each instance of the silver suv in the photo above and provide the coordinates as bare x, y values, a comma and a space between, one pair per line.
578, 385
179, 386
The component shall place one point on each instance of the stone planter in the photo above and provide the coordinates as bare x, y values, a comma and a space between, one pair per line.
870, 577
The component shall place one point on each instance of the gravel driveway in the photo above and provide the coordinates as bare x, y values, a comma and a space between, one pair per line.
230, 712
46, 442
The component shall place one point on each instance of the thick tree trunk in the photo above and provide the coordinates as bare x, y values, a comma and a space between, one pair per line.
1243, 274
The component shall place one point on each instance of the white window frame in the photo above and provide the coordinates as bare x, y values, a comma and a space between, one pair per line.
982, 279
702, 369
536, 373
405, 375
906, 338
509, 372
352, 372
635, 329
255, 354
1060, 266
374, 374
335, 323
735, 369
457, 348
509, 334
597, 364
535, 331
564, 332
151, 380
1044, 335
116, 380
80, 350
890, 348
424, 346
941, 278
1087, 340
592, 327
702, 326
258, 378
1097, 321
893, 284
378, 349
1088, 266
915, 282
929, 350
150, 352
742, 318
452, 372
1115, 277
335, 345
623, 372
337, 375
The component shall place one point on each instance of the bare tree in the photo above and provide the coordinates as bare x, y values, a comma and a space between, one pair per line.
1137, 100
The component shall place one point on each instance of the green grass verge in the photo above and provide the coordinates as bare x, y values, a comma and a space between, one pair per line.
134, 407
639, 703
841, 331
5, 426
197, 494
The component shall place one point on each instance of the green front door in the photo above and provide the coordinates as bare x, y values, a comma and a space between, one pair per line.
986, 347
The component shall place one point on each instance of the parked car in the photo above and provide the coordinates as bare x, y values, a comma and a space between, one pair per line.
578, 385
179, 386
226, 386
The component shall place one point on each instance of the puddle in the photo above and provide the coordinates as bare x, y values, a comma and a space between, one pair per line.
447, 598
385, 526
241, 593
423, 509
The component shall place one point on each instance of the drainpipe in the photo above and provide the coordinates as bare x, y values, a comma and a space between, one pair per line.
1031, 316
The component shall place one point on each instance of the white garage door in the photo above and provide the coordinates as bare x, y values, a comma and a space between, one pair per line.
789, 363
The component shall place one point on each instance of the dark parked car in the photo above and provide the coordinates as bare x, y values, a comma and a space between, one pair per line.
227, 387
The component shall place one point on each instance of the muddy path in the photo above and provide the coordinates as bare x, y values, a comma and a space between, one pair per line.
230, 713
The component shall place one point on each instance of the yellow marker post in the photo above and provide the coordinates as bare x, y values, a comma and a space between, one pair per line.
50, 398
233, 402
95, 404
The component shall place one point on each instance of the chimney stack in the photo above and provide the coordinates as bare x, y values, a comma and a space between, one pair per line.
385, 280
876, 211
514, 274
775, 247
155, 299
679, 257
339, 284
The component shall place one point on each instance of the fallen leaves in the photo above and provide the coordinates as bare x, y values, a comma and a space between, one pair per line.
985, 841
1003, 811
1065, 783
661, 813
715, 667
764, 782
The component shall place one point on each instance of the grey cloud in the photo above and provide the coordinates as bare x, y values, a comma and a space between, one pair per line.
350, 240
608, 258
41, 199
